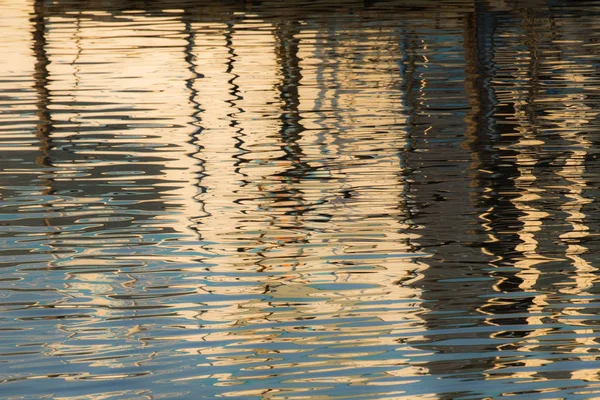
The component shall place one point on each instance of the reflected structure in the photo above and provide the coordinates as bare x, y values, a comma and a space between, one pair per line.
325, 199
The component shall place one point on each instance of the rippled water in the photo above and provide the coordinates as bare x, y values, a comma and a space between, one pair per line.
306, 199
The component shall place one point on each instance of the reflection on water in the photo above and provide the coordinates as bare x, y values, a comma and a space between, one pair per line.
358, 199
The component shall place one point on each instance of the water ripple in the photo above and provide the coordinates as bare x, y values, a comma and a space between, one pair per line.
349, 199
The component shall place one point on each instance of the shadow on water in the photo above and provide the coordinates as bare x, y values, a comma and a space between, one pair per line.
258, 199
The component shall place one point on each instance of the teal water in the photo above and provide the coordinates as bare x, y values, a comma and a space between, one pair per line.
306, 199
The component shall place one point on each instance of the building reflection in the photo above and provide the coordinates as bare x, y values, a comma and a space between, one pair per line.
275, 176
287, 215
527, 137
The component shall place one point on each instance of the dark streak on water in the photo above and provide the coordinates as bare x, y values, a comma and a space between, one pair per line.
378, 199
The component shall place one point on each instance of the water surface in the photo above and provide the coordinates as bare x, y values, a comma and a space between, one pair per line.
306, 199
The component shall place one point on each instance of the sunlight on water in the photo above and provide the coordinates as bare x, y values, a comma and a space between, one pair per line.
318, 199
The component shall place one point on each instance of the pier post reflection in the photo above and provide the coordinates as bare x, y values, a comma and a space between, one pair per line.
44, 128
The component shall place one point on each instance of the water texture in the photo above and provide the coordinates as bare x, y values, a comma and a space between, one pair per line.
300, 199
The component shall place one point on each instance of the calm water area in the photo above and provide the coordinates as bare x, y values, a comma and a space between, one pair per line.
309, 199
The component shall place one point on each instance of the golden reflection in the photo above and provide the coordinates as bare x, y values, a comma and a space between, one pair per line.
213, 195
255, 206
21, 59
568, 116
127, 93
572, 123
314, 205
529, 191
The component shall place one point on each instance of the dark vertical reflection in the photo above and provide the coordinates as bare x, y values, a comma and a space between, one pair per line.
291, 126
44, 127
291, 196
480, 259
236, 96
451, 146
191, 84
512, 281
